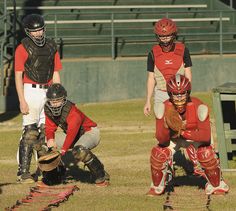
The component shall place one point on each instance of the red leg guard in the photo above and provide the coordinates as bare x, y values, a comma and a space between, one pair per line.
192, 155
208, 160
159, 160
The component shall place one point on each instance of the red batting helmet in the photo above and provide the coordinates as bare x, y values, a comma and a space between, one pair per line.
165, 27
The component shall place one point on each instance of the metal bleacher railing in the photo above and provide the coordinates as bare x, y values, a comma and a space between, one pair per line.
54, 19
216, 17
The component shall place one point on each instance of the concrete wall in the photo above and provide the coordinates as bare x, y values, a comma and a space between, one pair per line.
100, 80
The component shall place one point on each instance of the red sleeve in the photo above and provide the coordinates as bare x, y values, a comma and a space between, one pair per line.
203, 131
201, 134
50, 128
57, 62
74, 121
21, 56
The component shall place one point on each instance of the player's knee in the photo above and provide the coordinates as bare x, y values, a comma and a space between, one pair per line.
207, 157
159, 157
30, 134
81, 153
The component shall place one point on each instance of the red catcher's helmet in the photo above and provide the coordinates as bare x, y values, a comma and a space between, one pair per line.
178, 84
179, 88
165, 27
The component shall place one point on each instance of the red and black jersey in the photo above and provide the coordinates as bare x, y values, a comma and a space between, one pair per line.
72, 121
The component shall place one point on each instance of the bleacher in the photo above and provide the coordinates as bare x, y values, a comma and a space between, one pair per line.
120, 28
125, 28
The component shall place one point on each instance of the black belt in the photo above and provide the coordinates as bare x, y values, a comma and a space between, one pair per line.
40, 86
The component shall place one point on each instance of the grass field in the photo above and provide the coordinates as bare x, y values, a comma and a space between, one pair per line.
127, 138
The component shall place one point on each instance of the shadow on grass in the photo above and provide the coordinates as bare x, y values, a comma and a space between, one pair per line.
5, 184
8, 115
190, 180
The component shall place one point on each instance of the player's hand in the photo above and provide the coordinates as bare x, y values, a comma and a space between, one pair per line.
24, 108
63, 152
147, 109
187, 134
51, 144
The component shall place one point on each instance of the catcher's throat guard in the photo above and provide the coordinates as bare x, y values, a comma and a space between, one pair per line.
49, 161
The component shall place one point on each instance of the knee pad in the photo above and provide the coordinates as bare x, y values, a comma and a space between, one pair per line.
207, 157
208, 160
91, 161
30, 134
39, 144
82, 154
159, 157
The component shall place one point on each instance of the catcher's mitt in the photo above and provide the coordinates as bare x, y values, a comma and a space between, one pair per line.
49, 161
174, 121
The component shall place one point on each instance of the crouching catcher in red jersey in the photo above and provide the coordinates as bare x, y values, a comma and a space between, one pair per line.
195, 131
82, 133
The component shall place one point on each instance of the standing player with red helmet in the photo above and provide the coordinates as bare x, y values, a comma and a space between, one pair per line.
196, 132
165, 60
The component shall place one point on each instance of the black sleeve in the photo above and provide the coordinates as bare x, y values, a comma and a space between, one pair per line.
187, 58
150, 62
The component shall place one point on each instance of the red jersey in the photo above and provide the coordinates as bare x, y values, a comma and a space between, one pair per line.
74, 121
21, 56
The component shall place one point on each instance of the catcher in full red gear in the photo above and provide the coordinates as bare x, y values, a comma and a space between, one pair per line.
185, 121
165, 60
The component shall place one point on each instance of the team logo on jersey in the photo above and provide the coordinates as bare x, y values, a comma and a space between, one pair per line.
168, 61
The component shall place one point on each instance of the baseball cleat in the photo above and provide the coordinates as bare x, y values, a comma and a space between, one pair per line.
25, 179
220, 190
156, 190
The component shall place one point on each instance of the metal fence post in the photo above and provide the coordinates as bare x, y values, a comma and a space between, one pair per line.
55, 27
112, 37
231, 4
221, 35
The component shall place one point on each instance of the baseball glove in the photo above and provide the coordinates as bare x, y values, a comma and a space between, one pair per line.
174, 121
49, 161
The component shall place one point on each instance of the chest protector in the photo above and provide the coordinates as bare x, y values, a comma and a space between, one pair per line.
39, 66
60, 121
167, 64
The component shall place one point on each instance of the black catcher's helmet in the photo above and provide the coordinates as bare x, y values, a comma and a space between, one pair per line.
56, 93
32, 23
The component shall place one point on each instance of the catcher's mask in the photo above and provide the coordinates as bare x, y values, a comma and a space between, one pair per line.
34, 27
166, 32
56, 98
179, 88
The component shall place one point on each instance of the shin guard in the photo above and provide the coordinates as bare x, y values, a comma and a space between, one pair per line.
159, 166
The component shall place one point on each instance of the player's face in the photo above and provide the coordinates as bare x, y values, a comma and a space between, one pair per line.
37, 34
166, 38
56, 103
179, 101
